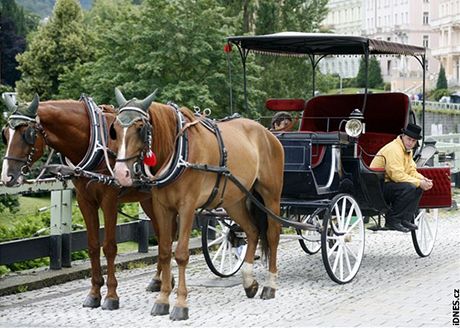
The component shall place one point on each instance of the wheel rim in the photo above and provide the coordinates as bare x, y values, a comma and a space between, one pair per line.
223, 252
311, 242
343, 239
425, 236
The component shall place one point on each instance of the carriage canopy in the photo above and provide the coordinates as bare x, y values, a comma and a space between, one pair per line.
301, 44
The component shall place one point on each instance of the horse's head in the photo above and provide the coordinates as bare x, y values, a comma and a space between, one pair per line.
23, 144
132, 133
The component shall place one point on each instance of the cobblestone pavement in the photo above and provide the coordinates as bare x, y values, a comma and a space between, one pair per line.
394, 287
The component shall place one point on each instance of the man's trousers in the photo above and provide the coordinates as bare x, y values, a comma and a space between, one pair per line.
403, 198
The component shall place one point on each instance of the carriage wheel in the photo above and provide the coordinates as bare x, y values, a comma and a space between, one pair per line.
224, 246
342, 238
311, 242
425, 236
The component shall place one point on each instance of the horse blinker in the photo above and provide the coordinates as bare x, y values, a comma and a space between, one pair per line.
30, 135
5, 141
112, 132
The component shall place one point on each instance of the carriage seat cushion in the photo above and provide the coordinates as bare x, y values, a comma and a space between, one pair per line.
285, 104
441, 193
370, 143
384, 112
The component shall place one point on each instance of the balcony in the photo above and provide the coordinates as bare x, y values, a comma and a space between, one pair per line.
445, 51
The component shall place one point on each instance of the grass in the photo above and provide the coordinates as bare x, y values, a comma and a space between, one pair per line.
28, 206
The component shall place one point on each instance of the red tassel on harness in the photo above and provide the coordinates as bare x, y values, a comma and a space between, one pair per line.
150, 159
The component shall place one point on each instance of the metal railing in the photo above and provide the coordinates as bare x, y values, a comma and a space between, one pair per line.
435, 105
448, 146
61, 242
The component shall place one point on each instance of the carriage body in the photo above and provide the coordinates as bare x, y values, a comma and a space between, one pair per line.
321, 160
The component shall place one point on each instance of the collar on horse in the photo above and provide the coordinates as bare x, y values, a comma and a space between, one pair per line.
174, 167
98, 138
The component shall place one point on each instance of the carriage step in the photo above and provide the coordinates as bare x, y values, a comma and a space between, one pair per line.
378, 228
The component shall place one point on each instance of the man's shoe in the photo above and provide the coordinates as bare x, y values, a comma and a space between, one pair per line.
409, 225
396, 226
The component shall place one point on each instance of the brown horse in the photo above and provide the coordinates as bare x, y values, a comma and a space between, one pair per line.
252, 154
65, 126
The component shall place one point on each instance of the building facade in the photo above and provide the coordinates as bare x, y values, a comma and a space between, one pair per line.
447, 25
344, 17
403, 21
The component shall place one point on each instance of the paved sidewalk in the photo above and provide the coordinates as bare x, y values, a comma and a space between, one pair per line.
394, 287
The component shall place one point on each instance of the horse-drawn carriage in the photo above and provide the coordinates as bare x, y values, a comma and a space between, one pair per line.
327, 179
328, 192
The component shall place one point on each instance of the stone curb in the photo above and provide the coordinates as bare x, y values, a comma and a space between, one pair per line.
45, 277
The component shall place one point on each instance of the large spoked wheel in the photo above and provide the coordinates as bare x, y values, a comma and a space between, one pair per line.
425, 236
342, 239
311, 240
224, 245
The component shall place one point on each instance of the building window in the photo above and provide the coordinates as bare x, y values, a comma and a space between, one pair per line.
425, 41
425, 18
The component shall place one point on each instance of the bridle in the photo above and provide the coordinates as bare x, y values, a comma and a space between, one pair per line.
29, 136
146, 134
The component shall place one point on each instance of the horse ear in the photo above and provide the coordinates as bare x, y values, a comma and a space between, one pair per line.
119, 97
9, 102
145, 104
32, 109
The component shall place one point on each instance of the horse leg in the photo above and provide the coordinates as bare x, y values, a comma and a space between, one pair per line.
155, 283
240, 214
165, 219
273, 236
90, 215
111, 301
182, 254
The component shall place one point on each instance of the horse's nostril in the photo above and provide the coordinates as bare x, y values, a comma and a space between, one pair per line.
127, 174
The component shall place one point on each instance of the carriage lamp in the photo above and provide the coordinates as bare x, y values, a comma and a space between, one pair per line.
354, 126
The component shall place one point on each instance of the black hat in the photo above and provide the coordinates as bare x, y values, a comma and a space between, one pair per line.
413, 131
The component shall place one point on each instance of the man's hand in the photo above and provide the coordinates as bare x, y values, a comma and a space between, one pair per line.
426, 184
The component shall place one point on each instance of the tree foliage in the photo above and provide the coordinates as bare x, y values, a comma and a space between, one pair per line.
177, 46
56, 48
14, 26
374, 77
441, 83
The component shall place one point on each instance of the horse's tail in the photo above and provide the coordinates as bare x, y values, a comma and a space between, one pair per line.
261, 221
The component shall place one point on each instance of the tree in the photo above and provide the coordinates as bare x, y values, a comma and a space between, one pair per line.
176, 46
287, 77
14, 25
374, 76
56, 48
442, 80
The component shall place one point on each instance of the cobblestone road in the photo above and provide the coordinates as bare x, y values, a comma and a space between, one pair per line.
394, 287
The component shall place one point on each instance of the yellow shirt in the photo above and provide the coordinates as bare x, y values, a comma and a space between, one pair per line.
398, 163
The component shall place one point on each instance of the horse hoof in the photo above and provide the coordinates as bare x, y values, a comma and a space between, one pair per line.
251, 291
110, 304
160, 309
92, 302
154, 285
268, 293
179, 313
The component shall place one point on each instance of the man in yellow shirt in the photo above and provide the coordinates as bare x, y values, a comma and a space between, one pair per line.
404, 186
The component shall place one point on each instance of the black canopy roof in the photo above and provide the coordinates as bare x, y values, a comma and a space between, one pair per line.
301, 44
